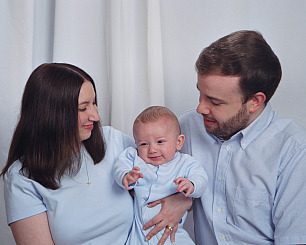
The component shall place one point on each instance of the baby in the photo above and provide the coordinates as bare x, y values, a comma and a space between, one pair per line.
156, 170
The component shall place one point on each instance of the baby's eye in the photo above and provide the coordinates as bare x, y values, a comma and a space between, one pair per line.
143, 144
160, 141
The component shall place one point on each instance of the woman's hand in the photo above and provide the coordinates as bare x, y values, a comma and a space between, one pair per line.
173, 209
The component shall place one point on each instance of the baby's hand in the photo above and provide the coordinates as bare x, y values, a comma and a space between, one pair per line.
184, 185
131, 177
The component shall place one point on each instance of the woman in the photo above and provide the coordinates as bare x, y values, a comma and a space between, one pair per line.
59, 187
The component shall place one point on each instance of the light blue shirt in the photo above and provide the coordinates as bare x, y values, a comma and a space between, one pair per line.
257, 190
157, 183
95, 214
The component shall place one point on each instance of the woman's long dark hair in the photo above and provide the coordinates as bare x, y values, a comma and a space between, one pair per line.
46, 139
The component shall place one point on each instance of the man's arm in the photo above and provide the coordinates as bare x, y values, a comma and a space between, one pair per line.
173, 209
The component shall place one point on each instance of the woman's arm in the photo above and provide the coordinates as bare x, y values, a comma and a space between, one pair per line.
32, 231
173, 209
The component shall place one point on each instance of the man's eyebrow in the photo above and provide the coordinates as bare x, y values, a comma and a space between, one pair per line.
212, 98
216, 99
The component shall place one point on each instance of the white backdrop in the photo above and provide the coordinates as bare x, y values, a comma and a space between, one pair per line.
139, 53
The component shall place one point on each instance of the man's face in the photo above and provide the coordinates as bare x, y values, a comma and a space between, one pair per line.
221, 106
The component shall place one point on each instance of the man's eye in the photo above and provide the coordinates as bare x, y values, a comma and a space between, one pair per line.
215, 103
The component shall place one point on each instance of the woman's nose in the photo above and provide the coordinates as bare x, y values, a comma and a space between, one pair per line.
94, 115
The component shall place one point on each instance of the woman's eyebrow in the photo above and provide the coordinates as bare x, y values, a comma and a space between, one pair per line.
84, 102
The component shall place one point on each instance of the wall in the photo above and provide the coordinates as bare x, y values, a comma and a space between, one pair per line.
188, 27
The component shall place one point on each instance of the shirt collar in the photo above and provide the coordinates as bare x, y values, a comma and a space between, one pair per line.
255, 129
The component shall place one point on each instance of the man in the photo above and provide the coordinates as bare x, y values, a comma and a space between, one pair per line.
255, 161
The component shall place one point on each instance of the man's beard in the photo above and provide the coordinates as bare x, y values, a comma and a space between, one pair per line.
234, 124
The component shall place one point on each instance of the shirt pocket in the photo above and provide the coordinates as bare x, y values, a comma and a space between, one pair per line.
252, 212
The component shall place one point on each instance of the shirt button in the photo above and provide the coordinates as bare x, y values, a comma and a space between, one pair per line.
219, 210
220, 178
223, 237
228, 147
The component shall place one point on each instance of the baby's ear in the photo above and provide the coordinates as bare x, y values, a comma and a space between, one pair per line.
180, 141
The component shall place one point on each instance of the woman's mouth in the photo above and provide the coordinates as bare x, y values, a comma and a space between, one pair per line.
88, 127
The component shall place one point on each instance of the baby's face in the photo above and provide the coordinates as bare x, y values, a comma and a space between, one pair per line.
157, 141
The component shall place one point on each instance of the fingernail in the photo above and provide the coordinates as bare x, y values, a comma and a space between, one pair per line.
148, 238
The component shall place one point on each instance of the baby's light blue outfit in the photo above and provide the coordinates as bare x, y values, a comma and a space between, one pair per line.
257, 190
95, 214
156, 184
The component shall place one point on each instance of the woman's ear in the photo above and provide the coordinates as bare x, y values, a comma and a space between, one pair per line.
256, 101
180, 141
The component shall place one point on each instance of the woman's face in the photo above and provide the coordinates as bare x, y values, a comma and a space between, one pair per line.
87, 110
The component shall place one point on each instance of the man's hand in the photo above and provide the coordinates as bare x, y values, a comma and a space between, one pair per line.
173, 209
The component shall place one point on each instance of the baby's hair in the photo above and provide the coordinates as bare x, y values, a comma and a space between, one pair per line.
154, 113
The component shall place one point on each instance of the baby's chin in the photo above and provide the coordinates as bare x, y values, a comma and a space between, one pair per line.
156, 161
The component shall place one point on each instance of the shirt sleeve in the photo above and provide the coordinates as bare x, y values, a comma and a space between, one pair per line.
197, 175
121, 140
289, 212
124, 164
22, 199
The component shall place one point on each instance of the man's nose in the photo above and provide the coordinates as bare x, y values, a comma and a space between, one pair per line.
203, 108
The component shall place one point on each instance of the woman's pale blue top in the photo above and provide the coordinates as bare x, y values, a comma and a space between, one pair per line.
99, 213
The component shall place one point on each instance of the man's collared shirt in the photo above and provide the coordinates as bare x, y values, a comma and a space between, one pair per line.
256, 181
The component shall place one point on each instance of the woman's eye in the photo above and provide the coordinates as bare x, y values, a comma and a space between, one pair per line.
82, 109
